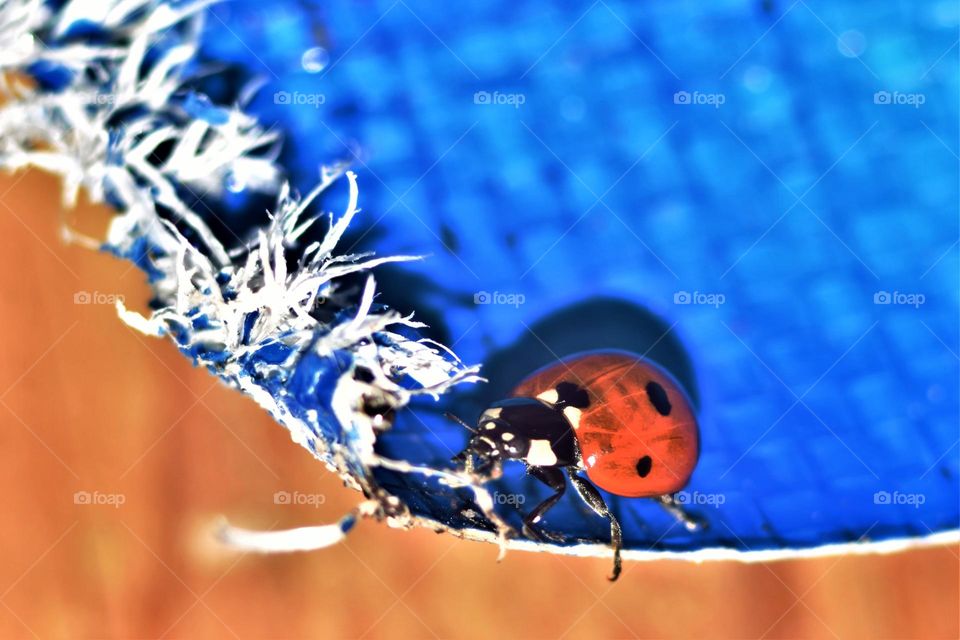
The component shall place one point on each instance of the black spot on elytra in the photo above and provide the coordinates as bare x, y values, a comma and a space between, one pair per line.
644, 465
658, 398
572, 395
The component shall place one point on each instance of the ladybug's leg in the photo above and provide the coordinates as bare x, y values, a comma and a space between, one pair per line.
590, 495
690, 521
553, 478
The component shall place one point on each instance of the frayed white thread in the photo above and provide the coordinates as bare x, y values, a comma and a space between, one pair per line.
456, 479
299, 539
68, 133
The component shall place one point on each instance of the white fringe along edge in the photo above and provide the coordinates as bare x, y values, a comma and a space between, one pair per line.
72, 133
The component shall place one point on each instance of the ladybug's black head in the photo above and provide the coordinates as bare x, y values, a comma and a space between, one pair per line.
493, 441
497, 439
531, 430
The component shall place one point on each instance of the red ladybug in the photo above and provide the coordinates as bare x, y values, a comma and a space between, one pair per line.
613, 415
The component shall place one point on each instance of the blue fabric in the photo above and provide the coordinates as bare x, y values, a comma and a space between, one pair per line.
620, 188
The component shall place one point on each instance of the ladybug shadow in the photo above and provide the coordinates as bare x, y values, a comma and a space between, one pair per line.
591, 324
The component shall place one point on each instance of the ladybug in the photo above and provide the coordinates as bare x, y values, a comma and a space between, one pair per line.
614, 416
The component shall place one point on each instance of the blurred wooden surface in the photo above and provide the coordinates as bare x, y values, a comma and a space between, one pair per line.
88, 405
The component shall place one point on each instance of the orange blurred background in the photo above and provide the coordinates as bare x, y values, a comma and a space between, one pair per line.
87, 404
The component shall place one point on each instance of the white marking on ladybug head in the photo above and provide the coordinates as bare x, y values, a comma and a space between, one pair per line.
572, 414
489, 426
540, 454
493, 413
506, 436
550, 396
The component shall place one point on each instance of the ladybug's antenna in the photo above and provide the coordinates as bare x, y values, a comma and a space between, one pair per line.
450, 416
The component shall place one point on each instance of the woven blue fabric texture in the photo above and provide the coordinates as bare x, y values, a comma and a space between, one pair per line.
761, 196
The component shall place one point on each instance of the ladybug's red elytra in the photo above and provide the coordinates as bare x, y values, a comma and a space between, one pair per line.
613, 415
